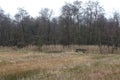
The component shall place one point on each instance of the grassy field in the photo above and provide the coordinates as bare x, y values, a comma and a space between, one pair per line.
33, 65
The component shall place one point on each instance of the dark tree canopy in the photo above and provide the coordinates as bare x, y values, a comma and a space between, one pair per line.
82, 24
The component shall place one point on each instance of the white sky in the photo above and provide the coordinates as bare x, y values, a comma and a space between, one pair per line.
34, 6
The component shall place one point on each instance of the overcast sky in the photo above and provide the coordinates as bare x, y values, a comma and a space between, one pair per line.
34, 6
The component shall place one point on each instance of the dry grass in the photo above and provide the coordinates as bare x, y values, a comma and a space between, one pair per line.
72, 48
26, 64
23, 62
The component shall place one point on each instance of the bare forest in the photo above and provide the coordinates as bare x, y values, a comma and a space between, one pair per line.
78, 24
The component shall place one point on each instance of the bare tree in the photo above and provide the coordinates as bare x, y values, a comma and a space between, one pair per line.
20, 17
94, 14
46, 16
115, 31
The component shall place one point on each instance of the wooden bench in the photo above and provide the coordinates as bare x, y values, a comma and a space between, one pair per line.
81, 50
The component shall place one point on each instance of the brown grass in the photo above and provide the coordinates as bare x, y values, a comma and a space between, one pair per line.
28, 64
25, 62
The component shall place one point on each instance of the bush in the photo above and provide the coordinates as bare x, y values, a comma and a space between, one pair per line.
21, 45
40, 43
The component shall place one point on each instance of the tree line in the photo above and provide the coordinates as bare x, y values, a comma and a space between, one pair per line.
78, 23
